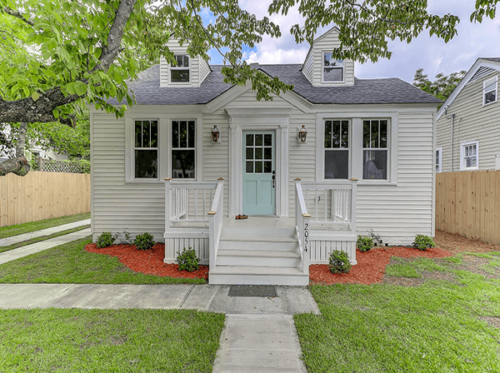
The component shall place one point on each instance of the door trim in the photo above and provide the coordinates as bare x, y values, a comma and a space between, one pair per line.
270, 120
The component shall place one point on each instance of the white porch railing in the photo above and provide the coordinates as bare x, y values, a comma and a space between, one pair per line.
332, 202
302, 225
188, 201
215, 223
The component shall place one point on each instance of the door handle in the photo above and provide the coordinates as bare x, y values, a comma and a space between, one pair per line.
274, 178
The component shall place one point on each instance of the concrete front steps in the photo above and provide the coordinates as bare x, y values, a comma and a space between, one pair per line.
258, 256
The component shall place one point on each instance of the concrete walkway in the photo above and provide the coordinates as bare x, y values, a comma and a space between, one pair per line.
14, 254
43, 232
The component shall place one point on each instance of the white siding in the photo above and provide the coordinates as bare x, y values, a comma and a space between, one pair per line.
473, 122
308, 67
204, 69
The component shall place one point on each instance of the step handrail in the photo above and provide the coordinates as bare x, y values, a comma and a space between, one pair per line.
302, 225
215, 218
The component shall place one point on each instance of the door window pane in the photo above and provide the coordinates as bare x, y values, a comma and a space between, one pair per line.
336, 164
258, 152
268, 153
249, 167
258, 167
258, 140
268, 140
249, 140
249, 153
268, 167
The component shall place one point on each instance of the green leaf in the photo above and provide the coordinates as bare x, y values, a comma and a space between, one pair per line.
35, 96
80, 88
55, 112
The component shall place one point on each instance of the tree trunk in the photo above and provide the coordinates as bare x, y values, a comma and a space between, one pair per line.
18, 165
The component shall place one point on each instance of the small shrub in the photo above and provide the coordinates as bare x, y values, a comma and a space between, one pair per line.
423, 242
364, 243
144, 241
188, 260
105, 239
339, 262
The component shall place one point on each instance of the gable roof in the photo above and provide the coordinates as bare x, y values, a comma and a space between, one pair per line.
147, 89
481, 68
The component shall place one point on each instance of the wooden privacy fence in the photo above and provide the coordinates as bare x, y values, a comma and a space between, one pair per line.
468, 203
42, 195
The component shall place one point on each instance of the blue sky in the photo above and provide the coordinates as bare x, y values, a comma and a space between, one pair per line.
435, 56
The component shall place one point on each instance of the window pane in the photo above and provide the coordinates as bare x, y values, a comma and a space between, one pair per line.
250, 167
183, 164
191, 134
366, 134
145, 134
336, 134
258, 140
258, 153
345, 134
375, 164
249, 153
268, 153
138, 132
268, 140
490, 97
179, 76
374, 134
185, 61
258, 167
146, 164
154, 133
383, 134
183, 134
268, 167
329, 61
336, 164
182, 61
175, 134
249, 140
332, 74
328, 134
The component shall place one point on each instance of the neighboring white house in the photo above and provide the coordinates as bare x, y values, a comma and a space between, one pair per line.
195, 153
470, 120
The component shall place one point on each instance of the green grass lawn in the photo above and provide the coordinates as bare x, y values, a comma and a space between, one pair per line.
435, 327
73, 340
42, 238
70, 263
14, 230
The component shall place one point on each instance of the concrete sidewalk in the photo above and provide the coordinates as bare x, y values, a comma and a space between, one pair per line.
43, 232
23, 251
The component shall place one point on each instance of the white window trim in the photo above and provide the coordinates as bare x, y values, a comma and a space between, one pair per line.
356, 167
323, 70
170, 68
440, 160
164, 147
349, 148
462, 163
491, 90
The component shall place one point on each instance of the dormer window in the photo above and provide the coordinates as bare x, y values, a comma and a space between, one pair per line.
179, 73
333, 70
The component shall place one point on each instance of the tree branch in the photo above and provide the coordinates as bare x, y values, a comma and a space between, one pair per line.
19, 15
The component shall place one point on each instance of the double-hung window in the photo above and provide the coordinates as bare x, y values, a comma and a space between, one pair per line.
333, 70
179, 73
336, 149
375, 149
146, 149
183, 149
490, 90
469, 154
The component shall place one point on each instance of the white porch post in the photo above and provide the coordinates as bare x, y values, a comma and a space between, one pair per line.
354, 197
167, 203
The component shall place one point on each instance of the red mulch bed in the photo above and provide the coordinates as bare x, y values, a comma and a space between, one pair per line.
371, 265
149, 262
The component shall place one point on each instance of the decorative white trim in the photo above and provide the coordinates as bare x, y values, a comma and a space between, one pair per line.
464, 144
265, 119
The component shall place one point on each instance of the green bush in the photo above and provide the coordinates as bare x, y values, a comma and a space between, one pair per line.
144, 241
339, 262
105, 239
364, 243
423, 242
188, 260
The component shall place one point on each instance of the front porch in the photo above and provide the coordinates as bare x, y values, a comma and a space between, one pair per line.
260, 249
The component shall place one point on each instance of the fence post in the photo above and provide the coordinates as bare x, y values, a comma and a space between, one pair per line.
40, 164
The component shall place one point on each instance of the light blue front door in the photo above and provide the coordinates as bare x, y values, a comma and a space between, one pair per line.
259, 196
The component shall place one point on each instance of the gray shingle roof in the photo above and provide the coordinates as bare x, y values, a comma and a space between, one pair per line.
147, 89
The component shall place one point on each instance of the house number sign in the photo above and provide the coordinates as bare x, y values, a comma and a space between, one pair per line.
306, 236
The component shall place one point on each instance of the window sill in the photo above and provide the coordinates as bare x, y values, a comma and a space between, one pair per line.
490, 103
377, 182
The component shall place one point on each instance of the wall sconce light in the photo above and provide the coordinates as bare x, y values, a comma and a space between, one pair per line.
302, 136
215, 135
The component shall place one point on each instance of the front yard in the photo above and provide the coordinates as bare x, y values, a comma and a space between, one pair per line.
72, 340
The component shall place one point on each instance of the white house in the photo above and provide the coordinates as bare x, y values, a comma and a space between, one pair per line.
468, 123
365, 163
